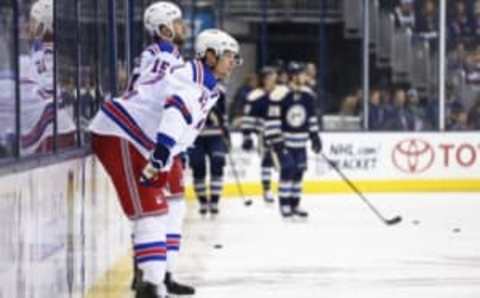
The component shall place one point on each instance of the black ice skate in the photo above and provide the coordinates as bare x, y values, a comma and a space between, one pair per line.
203, 208
297, 211
213, 207
145, 289
175, 288
286, 210
135, 278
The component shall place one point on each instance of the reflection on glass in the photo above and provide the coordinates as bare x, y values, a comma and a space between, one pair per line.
36, 84
36, 73
7, 83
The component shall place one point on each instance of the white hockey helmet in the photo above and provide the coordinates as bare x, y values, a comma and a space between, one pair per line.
218, 41
161, 13
41, 13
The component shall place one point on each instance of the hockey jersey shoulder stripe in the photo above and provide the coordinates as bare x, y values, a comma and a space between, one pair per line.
121, 117
177, 102
279, 93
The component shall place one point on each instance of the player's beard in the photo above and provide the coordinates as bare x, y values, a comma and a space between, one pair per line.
179, 41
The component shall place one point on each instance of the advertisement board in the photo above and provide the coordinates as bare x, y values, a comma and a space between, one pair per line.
377, 161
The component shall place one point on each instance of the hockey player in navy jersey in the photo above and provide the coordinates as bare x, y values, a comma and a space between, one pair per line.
211, 145
138, 139
253, 121
291, 123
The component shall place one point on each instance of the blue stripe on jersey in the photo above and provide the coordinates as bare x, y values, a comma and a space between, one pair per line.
165, 140
140, 260
149, 245
176, 102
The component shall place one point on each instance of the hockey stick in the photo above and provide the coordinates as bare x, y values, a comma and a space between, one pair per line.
246, 202
389, 222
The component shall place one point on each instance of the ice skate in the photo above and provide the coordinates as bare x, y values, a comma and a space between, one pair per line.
175, 288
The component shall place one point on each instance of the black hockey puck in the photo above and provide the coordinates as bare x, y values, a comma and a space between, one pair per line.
456, 230
218, 246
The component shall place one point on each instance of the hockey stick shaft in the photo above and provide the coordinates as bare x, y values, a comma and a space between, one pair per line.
237, 179
359, 193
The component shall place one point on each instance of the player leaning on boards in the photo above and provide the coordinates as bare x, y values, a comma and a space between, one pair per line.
163, 22
290, 122
138, 139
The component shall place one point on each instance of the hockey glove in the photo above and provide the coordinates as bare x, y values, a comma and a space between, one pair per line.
157, 161
316, 143
247, 143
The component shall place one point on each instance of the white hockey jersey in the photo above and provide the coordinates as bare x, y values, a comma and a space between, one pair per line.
170, 108
163, 50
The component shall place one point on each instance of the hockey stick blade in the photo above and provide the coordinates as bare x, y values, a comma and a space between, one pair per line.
397, 219
388, 222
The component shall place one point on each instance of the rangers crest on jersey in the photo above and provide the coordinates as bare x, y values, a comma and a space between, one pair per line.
296, 115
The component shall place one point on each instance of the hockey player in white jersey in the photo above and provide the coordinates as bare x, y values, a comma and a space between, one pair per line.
163, 22
138, 139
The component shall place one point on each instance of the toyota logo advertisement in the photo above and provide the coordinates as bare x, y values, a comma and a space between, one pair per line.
413, 156
393, 156
418, 155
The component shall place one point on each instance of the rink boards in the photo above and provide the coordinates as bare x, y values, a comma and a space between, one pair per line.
61, 229
379, 162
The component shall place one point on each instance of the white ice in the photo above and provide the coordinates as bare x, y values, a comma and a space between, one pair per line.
341, 251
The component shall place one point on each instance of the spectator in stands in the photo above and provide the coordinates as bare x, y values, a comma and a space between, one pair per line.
405, 15
476, 19
397, 116
473, 117
457, 117
350, 105
417, 109
376, 110
427, 22
456, 58
240, 97
472, 68
460, 24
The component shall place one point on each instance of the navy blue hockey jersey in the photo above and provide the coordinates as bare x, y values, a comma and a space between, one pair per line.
292, 120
